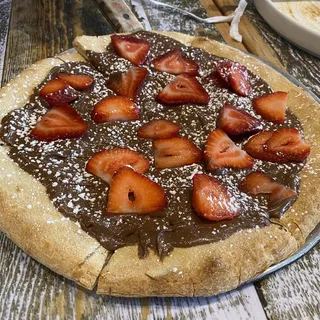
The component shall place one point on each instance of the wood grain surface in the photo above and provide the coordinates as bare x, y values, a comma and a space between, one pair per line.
28, 290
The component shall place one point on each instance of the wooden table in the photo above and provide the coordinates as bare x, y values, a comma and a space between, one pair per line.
33, 30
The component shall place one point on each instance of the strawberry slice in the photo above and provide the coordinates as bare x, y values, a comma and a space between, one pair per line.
115, 108
131, 48
131, 192
234, 121
158, 129
258, 183
211, 200
126, 84
57, 92
235, 75
272, 107
256, 147
105, 163
60, 122
288, 144
175, 152
76, 81
183, 89
280, 197
238, 80
220, 152
175, 63
215, 78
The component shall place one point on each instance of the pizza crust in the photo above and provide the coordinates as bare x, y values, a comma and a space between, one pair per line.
27, 216
222, 266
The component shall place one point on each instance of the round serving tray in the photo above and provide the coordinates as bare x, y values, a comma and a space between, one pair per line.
294, 31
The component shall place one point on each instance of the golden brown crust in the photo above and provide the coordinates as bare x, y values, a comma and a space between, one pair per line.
27, 216
218, 267
197, 271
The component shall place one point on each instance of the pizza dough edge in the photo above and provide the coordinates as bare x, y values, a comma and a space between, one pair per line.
27, 216
149, 277
94, 257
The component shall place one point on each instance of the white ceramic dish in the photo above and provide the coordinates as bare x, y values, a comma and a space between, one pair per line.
297, 33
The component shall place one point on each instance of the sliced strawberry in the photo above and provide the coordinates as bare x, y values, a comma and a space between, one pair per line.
280, 196
127, 84
215, 78
131, 192
258, 183
288, 145
234, 121
272, 107
175, 63
175, 152
57, 92
235, 75
159, 129
105, 163
59, 122
280, 199
211, 199
239, 81
220, 152
256, 147
183, 89
115, 108
131, 48
76, 81
224, 68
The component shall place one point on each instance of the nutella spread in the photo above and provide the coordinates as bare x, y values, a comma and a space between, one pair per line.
60, 165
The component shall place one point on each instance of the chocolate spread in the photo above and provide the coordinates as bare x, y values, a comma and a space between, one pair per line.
60, 165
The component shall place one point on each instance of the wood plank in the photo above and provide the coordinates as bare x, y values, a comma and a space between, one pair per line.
294, 292
49, 27
223, 28
5, 9
251, 37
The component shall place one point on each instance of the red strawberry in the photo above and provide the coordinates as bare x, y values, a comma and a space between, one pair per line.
220, 152
57, 92
131, 48
105, 163
131, 192
159, 129
115, 108
76, 81
239, 82
175, 152
258, 183
234, 121
174, 62
280, 199
224, 68
235, 75
288, 145
215, 78
127, 84
272, 107
183, 89
256, 147
211, 200
59, 122
280, 196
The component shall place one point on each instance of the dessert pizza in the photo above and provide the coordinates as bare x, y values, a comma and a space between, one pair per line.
157, 164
